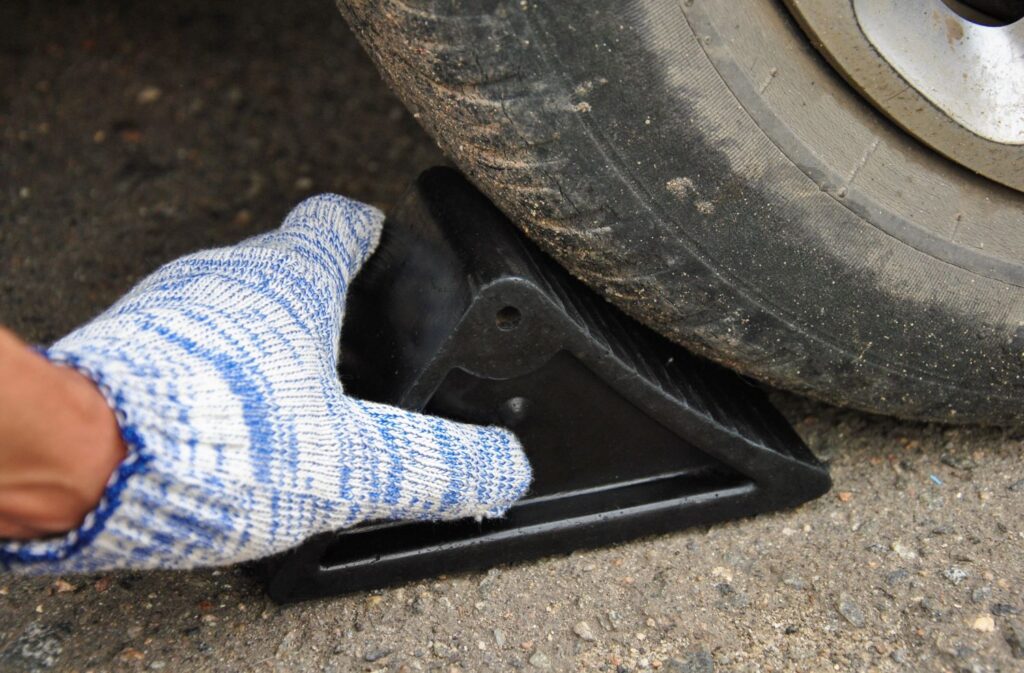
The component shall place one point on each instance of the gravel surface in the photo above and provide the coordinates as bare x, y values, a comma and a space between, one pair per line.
134, 132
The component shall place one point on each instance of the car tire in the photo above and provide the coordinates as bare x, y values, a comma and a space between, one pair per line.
704, 168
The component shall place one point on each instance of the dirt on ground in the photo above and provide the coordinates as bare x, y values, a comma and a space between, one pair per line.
135, 132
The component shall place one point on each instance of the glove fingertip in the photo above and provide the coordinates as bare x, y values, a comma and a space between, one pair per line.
512, 473
350, 229
449, 469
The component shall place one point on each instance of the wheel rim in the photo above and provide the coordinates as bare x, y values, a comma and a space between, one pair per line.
936, 70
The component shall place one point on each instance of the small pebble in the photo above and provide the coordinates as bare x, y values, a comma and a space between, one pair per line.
981, 594
955, 574
148, 95
903, 551
897, 576
851, 611
1014, 637
499, 638
489, 579
583, 630
540, 660
692, 662
242, 218
130, 134
984, 623
931, 608
795, 583
421, 604
37, 648
63, 586
1003, 609
722, 572
959, 462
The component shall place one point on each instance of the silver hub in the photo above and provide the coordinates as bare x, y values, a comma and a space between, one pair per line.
956, 84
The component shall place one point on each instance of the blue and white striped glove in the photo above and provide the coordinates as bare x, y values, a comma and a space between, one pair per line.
221, 369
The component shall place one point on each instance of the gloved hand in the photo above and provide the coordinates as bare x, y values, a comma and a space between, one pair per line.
221, 369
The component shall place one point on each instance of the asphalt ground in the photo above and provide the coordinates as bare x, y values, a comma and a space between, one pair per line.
135, 132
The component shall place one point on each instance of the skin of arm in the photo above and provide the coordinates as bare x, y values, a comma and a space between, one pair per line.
59, 443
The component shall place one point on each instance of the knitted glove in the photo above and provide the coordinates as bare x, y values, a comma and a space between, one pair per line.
221, 369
